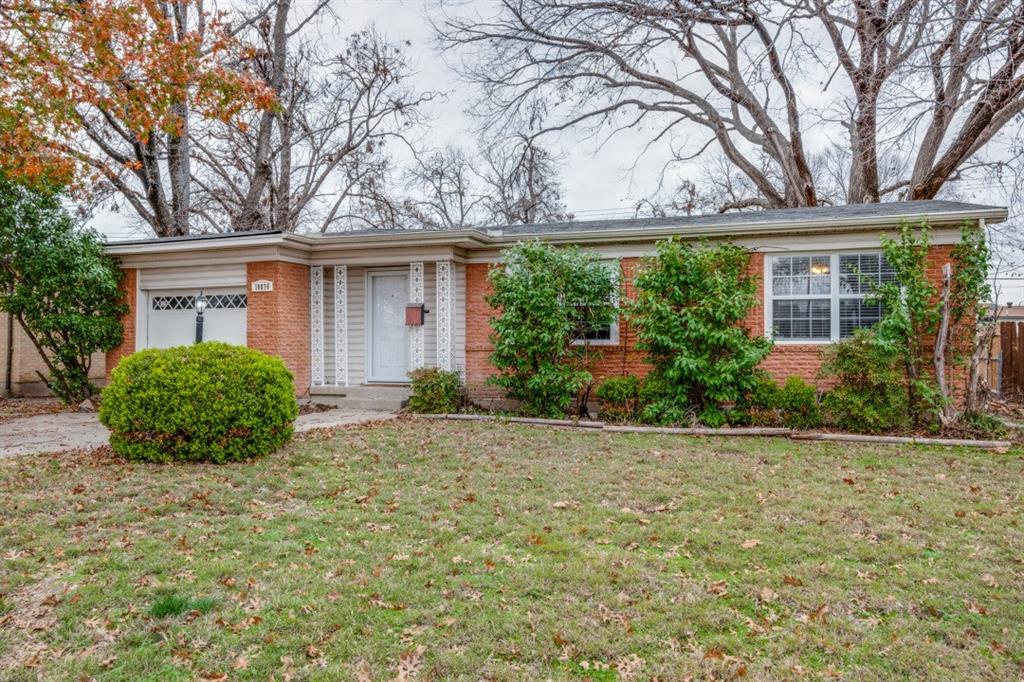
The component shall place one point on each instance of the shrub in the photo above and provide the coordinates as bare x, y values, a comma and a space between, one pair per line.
660, 405
798, 404
869, 394
548, 298
58, 282
435, 391
688, 314
210, 402
620, 398
982, 425
795, 405
759, 406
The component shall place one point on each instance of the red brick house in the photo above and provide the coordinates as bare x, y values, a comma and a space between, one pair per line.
334, 306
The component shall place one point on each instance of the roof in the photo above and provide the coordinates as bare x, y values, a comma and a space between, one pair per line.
815, 220
896, 210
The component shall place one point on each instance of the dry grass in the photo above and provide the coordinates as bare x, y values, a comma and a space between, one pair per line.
426, 550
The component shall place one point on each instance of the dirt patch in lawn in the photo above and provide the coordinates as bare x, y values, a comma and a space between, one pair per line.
444, 550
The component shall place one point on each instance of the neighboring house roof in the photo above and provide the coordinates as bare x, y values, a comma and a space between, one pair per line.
1011, 312
774, 221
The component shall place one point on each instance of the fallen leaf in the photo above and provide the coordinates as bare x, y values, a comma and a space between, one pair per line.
750, 544
719, 588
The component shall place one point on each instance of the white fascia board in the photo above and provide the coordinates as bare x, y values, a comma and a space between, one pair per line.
208, 244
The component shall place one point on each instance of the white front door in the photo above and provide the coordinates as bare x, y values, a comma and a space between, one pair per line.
388, 340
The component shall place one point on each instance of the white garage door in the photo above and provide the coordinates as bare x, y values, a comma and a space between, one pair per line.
172, 317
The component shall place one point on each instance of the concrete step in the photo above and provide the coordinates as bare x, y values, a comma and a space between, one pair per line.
365, 397
360, 403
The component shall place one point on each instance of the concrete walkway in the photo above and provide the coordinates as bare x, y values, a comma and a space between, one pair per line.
66, 431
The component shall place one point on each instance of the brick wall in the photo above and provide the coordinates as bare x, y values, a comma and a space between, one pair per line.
278, 320
478, 330
803, 360
129, 285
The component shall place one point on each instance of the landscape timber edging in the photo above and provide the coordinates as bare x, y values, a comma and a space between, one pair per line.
739, 431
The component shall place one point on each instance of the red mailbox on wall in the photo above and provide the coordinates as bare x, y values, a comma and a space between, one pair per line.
414, 314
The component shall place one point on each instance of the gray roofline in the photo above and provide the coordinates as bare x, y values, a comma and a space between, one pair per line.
857, 217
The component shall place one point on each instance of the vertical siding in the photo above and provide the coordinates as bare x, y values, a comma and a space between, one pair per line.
430, 323
357, 320
356, 325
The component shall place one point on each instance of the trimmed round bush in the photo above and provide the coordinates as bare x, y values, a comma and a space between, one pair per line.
211, 402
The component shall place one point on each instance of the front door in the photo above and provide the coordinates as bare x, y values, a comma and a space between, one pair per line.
388, 340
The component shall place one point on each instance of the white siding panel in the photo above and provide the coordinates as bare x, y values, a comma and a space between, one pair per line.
356, 325
430, 322
196, 277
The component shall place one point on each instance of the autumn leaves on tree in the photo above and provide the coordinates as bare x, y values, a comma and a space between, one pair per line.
102, 94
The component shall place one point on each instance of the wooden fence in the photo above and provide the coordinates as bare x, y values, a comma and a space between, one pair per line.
1011, 347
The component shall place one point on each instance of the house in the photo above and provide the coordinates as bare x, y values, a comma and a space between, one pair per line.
336, 307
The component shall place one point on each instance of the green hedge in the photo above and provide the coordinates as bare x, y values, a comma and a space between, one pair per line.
211, 402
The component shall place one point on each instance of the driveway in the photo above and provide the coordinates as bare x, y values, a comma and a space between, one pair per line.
66, 431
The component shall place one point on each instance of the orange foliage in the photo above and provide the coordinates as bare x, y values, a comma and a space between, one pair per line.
130, 61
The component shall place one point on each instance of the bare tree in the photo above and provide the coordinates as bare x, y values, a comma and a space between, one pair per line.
445, 189
521, 181
934, 81
318, 161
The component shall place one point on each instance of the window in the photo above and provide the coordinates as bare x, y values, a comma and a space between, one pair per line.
607, 335
214, 302
821, 297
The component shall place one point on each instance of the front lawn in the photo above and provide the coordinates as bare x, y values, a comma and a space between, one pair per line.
441, 550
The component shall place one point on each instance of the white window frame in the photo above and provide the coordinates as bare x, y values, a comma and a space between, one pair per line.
834, 296
613, 329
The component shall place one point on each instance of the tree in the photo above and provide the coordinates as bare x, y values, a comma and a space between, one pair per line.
521, 183
59, 284
935, 82
112, 89
690, 304
445, 190
316, 161
548, 299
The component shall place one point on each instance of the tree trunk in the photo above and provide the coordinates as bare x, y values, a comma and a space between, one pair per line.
863, 185
249, 216
947, 410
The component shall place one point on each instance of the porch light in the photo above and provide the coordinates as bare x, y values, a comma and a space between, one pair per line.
200, 305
